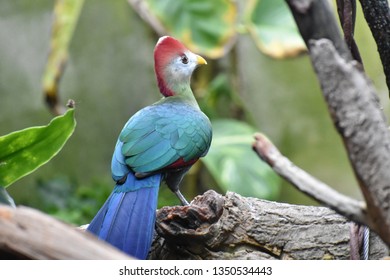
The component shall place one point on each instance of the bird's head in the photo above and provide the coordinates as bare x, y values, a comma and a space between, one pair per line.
173, 65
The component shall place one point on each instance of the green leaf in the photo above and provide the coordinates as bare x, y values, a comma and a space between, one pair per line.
22, 152
204, 26
234, 165
273, 28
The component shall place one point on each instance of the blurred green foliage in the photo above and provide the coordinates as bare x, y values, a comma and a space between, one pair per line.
235, 166
203, 26
273, 28
71, 202
211, 27
65, 16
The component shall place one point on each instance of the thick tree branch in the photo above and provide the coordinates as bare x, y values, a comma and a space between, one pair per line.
377, 14
212, 227
304, 182
235, 227
354, 109
26, 233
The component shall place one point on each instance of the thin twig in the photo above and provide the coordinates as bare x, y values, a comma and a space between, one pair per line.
347, 15
304, 182
142, 10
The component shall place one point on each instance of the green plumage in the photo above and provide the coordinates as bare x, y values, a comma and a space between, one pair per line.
161, 134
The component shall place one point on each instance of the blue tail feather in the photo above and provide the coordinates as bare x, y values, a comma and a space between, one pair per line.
126, 220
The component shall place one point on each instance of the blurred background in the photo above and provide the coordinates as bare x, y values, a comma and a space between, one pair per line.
250, 84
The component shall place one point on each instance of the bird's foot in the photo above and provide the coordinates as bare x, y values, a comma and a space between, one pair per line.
182, 199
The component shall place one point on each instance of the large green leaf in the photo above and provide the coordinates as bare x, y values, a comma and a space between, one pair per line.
21, 152
273, 28
234, 165
206, 27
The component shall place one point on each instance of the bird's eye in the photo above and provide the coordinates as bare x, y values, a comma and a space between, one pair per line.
184, 59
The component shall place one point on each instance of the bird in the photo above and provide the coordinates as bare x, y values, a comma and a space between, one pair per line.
158, 143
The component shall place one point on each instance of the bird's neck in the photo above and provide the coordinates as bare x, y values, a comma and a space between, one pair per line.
182, 89
184, 96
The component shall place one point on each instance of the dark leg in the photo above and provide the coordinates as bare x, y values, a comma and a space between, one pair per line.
173, 180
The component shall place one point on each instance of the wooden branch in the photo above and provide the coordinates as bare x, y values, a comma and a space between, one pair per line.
304, 182
315, 20
26, 233
347, 15
377, 14
141, 7
212, 227
353, 106
235, 227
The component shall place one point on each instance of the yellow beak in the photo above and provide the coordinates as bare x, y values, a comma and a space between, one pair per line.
200, 60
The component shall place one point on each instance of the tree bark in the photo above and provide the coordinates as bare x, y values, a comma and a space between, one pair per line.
26, 233
234, 227
353, 106
377, 14
211, 227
